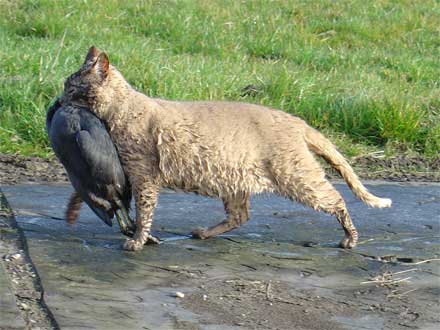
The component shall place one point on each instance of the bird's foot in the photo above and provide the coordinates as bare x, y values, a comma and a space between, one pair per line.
126, 225
129, 232
152, 240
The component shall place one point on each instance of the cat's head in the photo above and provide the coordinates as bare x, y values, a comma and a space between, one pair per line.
94, 84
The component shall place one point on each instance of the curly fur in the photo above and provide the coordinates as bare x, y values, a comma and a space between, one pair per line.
221, 149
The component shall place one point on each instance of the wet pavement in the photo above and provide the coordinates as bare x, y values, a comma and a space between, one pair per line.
281, 270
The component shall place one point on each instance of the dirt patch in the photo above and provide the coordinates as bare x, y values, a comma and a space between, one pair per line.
19, 169
400, 168
16, 169
264, 305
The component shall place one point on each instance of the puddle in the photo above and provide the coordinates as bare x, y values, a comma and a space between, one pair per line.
254, 235
175, 238
390, 247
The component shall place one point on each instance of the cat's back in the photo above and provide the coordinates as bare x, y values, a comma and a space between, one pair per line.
234, 123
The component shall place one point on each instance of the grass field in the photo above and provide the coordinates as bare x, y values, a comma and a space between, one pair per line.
367, 73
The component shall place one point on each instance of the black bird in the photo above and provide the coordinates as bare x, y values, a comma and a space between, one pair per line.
82, 144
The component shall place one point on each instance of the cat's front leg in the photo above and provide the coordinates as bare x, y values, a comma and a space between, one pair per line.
146, 194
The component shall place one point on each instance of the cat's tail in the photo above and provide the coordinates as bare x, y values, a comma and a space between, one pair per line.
324, 148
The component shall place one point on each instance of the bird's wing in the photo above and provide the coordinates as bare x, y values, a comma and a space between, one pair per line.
99, 211
100, 154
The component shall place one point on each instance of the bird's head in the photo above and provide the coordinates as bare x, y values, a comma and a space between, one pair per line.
95, 84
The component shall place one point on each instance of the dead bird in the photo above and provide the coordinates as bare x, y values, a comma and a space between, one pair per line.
82, 144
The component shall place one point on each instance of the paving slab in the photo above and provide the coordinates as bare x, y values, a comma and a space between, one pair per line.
281, 270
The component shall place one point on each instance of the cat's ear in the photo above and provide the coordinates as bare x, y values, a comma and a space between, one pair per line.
101, 66
92, 55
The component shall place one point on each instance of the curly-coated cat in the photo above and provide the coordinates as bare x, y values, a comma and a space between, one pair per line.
228, 150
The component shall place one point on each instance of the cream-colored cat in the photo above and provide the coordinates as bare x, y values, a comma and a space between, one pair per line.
220, 149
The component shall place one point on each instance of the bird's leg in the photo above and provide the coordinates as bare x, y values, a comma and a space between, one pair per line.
128, 221
124, 228
146, 194
127, 225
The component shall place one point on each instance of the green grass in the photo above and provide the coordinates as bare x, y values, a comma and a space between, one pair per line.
367, 73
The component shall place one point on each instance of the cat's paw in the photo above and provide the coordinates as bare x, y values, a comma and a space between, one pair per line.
199, 233
348, 242
133, 245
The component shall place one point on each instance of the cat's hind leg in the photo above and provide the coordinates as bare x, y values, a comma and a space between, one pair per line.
322, 196
309, 186
237, 211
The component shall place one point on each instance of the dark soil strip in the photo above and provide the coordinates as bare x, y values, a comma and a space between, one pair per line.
25, 281
16, 169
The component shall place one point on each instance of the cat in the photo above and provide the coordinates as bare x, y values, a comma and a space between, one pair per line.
228, 150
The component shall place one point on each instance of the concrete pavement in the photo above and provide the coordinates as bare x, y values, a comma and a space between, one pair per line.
281, 270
